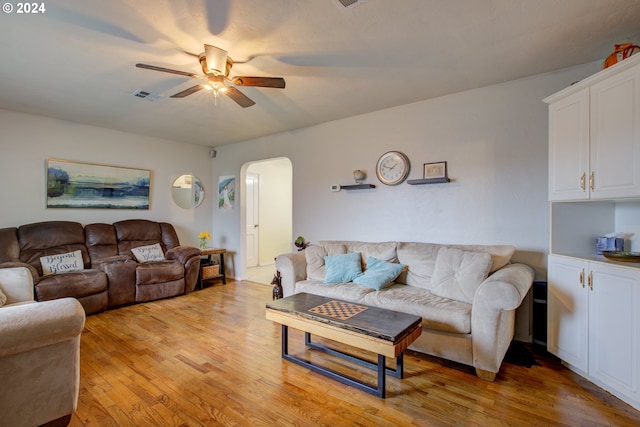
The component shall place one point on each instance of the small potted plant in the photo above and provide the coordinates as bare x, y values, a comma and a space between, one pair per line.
300, 243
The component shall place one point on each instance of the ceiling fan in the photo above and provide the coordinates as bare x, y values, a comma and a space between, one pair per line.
216, 65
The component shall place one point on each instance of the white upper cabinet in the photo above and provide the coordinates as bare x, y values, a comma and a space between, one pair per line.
594, 136
569, 147
615, 136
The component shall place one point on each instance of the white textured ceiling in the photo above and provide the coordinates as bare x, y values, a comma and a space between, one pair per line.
76, 61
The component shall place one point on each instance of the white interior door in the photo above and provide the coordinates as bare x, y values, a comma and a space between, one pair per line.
253, 207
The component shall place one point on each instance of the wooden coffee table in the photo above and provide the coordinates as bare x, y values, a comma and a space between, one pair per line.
384, 332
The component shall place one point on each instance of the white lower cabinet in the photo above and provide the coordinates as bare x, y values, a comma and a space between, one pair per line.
594, 322
568, 311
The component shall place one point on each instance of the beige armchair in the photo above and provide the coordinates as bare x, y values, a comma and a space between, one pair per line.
39, 354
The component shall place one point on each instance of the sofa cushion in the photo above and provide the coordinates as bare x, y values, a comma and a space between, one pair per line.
159, 272
148, 253
62, 263
132, 233
458, 274
51, 238
500, 254
420, 259
342, 268
379, 273
9, 246
385, 251
75, 284
439, 314
314, 256
344, 291
101, 241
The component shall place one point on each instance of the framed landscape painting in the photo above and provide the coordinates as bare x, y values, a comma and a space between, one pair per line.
85, 185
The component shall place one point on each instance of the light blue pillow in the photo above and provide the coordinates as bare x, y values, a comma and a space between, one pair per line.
342, 268
379, 273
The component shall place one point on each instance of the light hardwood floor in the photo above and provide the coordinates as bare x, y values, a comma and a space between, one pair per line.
211, 358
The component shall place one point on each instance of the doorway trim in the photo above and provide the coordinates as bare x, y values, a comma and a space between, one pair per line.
252, 185
242, 258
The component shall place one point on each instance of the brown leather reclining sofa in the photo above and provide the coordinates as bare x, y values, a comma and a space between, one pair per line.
111, 276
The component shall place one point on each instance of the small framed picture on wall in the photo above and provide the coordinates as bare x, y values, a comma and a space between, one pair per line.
435, 170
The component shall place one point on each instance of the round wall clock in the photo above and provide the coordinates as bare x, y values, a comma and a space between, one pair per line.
392, 168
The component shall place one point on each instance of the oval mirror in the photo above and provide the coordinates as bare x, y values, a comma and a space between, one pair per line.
187, 191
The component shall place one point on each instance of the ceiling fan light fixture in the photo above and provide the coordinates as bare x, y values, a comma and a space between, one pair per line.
216, 59
216, 66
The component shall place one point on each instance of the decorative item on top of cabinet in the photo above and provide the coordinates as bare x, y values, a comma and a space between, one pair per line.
620, 52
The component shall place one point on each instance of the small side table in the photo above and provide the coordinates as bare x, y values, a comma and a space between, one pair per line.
206, 253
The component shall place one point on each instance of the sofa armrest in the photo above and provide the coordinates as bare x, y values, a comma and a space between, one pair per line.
493, 314
189, 256
17, 285
505, 289
12, 264
29, 326
182, 253
292, 268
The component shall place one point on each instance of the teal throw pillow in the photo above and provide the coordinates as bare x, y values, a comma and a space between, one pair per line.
379, 273
342, 268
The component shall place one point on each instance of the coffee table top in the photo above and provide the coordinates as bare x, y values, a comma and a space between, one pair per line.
373, 321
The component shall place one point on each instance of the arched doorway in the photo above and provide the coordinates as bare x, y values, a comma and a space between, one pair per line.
266, 216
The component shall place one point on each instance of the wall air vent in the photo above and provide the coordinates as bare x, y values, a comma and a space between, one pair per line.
350, 3
142, 94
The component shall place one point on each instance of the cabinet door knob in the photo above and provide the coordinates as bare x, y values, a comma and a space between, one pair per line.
582, 181
591, 180
582, 277
590, 280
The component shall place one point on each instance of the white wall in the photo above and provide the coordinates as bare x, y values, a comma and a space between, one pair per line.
627, 221
27, 141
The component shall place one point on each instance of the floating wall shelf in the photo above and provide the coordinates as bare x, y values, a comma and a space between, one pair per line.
428, 181
357, 187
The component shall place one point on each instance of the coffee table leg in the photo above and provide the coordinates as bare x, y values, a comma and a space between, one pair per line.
399, 372
285, 340
382, 377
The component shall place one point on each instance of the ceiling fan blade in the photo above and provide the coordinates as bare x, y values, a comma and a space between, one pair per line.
187, 92
240, 98
166, 70
276, 82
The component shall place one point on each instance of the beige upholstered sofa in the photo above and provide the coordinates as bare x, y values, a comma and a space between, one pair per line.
466, 294
39, 354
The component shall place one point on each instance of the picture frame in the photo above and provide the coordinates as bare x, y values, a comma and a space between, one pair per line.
435, 170
79, 185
